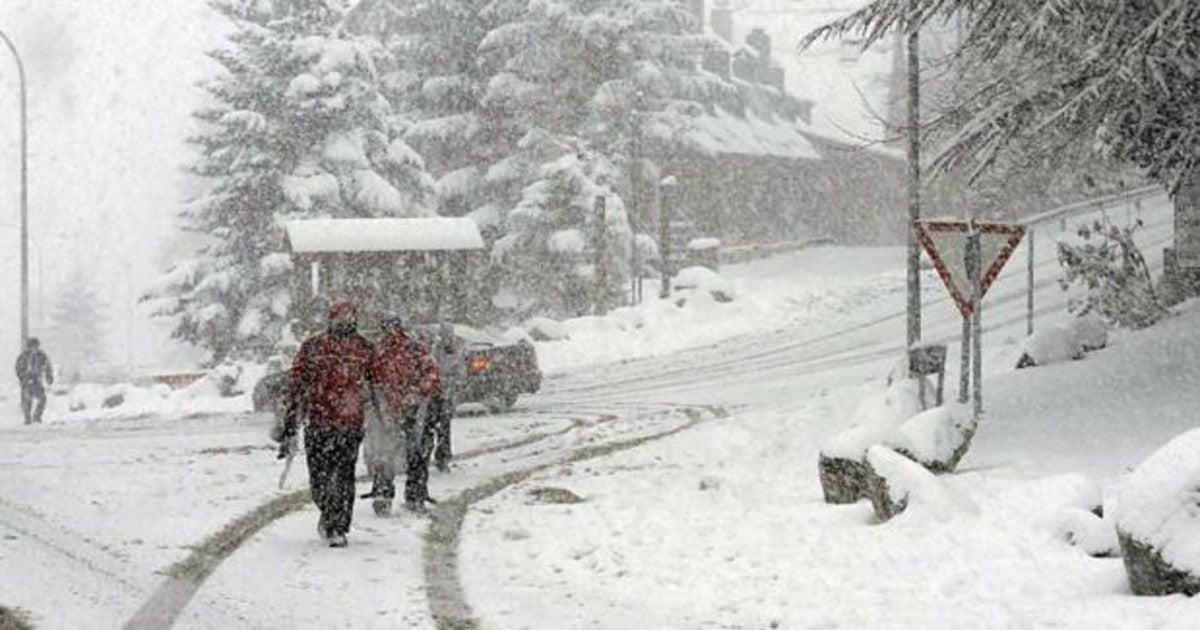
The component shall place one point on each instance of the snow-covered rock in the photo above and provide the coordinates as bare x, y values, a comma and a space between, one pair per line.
1053, 344
1089, 532
1065, 341
842, 480
896, 483
1158, 520
840, 465
938, 438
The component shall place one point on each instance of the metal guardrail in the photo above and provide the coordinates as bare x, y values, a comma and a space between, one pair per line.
1089, 205
1062, 214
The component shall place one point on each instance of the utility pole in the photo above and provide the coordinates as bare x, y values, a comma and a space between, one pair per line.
666, 189
914, 184
24, 192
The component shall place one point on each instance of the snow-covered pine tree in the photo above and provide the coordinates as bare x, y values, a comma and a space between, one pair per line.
574, 81
297, 127
75, 338
438, 80
547, 259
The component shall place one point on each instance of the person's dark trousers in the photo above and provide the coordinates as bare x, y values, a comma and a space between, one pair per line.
332, 454
416, 482
33, 402
444, 412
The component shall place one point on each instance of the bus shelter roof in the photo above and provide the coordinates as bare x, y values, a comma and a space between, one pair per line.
426, 234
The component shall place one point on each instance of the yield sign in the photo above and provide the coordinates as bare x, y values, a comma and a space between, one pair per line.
946, 242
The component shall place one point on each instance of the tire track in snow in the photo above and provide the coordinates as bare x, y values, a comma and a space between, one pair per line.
447, 600
184, 579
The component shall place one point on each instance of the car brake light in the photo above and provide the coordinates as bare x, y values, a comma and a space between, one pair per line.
479, 364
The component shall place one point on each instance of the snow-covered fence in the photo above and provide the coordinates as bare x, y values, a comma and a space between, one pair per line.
750, 251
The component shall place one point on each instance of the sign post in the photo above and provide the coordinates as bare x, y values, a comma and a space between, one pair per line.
974, 264
968, 256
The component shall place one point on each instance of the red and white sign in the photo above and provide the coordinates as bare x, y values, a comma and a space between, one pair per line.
946, 242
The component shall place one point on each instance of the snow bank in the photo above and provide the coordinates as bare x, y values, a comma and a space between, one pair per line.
1159, 505
812, 286
704, 280
225, 389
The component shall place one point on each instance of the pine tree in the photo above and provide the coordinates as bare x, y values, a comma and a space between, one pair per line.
547, 257
525, 110
1118, 75
577, 81
76, 337
299, 127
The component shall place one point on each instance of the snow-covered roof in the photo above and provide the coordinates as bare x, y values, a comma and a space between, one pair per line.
726, 133
312, 236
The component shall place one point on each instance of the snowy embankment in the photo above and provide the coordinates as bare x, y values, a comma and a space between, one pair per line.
813, 285
224, 390
725, 524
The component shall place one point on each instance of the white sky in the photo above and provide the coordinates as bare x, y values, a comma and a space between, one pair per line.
111, 88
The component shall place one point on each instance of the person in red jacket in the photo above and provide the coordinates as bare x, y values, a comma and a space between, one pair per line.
407, 376
330, 383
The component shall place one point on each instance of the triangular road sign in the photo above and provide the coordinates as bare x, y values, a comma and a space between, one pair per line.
946, 242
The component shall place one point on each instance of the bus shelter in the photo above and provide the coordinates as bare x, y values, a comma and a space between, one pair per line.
418, 268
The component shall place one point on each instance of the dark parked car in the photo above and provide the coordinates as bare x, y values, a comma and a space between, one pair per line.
490, 370
270, 390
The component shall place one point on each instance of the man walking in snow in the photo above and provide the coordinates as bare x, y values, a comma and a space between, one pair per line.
330, 382
449, 362
407, 377
34, 373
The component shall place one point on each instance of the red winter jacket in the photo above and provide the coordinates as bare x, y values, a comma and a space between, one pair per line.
403, 369
329, 379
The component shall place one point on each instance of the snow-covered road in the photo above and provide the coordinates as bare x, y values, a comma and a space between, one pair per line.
696, 470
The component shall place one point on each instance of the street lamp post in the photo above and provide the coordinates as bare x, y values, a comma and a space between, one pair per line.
665, 199
24, 192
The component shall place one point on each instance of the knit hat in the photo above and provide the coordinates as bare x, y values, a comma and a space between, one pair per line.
343, 312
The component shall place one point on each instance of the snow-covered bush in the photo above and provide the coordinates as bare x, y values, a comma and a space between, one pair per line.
1109, 275
1158, 520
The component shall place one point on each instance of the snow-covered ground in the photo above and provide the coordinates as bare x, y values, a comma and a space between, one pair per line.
719, 525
